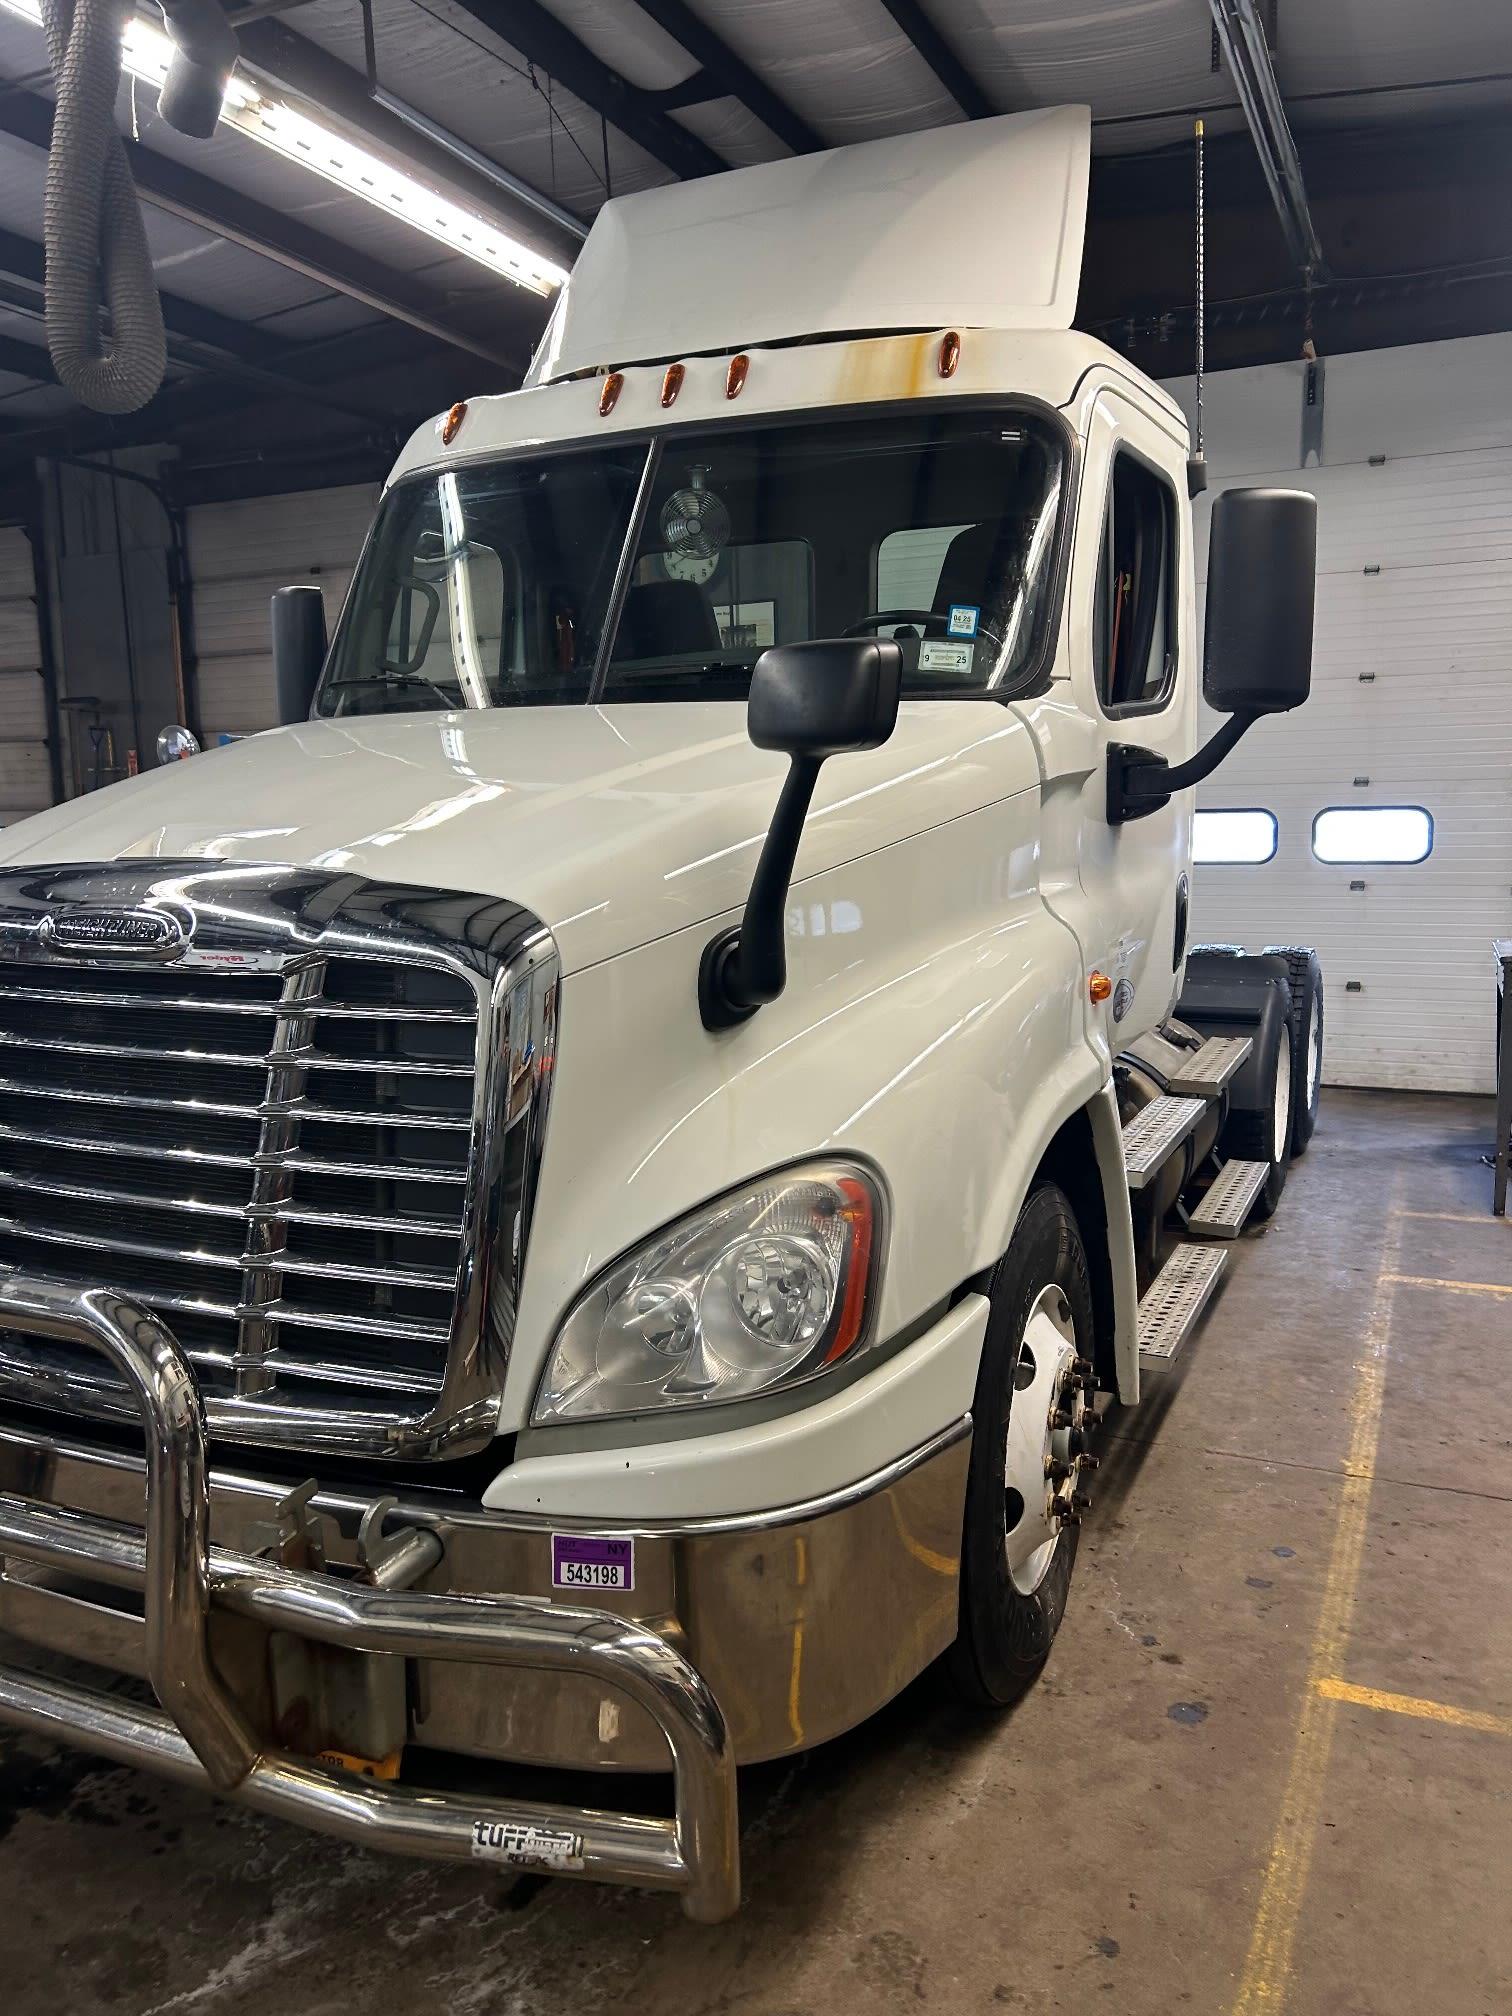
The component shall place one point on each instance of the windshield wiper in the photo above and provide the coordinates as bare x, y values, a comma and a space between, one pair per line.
401, 681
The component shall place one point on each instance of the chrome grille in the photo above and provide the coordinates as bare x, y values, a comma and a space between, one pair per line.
280, 1142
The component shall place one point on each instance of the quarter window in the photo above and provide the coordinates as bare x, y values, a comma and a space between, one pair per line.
1365, 835
1134, 622
1245, 838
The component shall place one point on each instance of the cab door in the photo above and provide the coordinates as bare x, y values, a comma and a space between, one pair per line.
1130, 677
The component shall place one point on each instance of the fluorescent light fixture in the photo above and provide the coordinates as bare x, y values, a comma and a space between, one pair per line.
275, 124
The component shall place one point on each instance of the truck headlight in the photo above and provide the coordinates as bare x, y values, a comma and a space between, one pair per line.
765, 1286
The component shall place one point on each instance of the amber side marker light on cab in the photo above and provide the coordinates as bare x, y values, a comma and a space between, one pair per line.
857, 1212
614, 384
1099, 986
451, 426
735, 377
672, 383
950, 353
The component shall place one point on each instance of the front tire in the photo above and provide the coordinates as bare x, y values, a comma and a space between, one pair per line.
1031, 1419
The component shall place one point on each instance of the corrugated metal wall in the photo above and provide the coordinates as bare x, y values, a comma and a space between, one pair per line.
25, 774
238, 554
1411, 701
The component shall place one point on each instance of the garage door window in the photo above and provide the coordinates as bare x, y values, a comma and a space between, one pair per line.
1362, 835
1237, 838
1134, 622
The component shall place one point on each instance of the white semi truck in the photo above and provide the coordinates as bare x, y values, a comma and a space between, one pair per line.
615, 1158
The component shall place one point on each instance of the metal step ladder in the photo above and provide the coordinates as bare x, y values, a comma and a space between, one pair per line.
1154, 1131
1208, 1069
1174, 1300
1228, 1200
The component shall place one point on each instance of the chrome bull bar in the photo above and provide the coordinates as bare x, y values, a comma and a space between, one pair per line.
203, 1738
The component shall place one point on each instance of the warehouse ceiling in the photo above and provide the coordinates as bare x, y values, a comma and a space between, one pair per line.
309, 330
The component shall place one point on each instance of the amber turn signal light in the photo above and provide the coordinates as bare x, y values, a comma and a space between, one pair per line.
1099, 986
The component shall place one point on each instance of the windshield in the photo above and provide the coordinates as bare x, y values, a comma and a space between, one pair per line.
509, 584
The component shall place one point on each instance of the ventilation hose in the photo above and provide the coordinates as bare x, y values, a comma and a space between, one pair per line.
92, 225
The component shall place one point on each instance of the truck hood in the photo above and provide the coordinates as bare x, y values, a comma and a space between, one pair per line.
614, 825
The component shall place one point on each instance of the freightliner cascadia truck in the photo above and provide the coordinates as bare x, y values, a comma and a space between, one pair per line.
577, 1205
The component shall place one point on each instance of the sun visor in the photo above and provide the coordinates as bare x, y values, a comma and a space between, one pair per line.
978, 225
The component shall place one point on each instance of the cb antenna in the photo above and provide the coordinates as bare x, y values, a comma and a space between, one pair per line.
1196, 462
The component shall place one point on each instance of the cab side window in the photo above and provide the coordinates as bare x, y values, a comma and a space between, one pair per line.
1134, 622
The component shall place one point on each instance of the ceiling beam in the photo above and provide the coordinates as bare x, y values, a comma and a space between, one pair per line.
25, 360
542, 39
941, 58
730, 74
213, 206
217, 347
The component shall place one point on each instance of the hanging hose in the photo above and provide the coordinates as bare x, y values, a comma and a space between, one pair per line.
92, 224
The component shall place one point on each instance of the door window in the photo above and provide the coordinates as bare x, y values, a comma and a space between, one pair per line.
1134, 622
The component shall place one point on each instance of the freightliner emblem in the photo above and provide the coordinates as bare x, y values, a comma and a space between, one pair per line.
130, 934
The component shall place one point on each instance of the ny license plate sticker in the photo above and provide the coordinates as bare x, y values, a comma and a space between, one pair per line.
591, 1561
517, 1842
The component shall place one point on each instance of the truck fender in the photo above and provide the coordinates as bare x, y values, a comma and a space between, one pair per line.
1067, 1117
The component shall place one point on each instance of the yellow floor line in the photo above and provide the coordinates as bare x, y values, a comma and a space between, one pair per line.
1448, 1287
1266, 1979
1413, 1704
1456, 1217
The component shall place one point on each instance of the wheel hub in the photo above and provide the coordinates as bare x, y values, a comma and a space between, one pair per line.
1049, 1422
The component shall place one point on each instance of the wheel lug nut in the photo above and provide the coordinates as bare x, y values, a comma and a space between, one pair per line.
1088, 1462
1082, 1367
1060, 1418
1055, 1469
1080, 1502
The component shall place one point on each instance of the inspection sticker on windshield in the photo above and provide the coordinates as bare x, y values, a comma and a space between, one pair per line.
963, 619
517, 1841
591, 1561
936, 655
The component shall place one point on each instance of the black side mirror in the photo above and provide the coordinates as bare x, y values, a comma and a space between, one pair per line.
299, 649
1257, 650
812, 701
1262, 563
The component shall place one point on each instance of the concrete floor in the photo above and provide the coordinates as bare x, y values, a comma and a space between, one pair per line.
1320, 1493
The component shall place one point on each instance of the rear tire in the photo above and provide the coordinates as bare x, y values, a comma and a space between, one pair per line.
1017, 1553
1263, 1133
1305, 976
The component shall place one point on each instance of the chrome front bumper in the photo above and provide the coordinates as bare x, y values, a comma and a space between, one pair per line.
201, 1734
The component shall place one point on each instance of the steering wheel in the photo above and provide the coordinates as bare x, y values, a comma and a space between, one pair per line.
875, 618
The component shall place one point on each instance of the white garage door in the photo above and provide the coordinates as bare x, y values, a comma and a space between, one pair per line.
1409, 706
238, 554
25, 775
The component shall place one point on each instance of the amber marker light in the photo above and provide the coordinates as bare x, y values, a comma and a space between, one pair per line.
451, 426
857, 1211
672, 383
1099, 986
614, 384
735, 377
950, 353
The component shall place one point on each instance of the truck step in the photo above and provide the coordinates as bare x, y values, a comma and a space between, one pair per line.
1227, 1201
1154, 1132
1175, 1299
1208, 1069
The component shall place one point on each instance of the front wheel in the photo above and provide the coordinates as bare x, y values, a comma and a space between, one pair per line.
1028, 1456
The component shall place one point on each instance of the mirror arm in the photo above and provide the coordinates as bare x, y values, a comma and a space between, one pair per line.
746, 965
1140, 781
